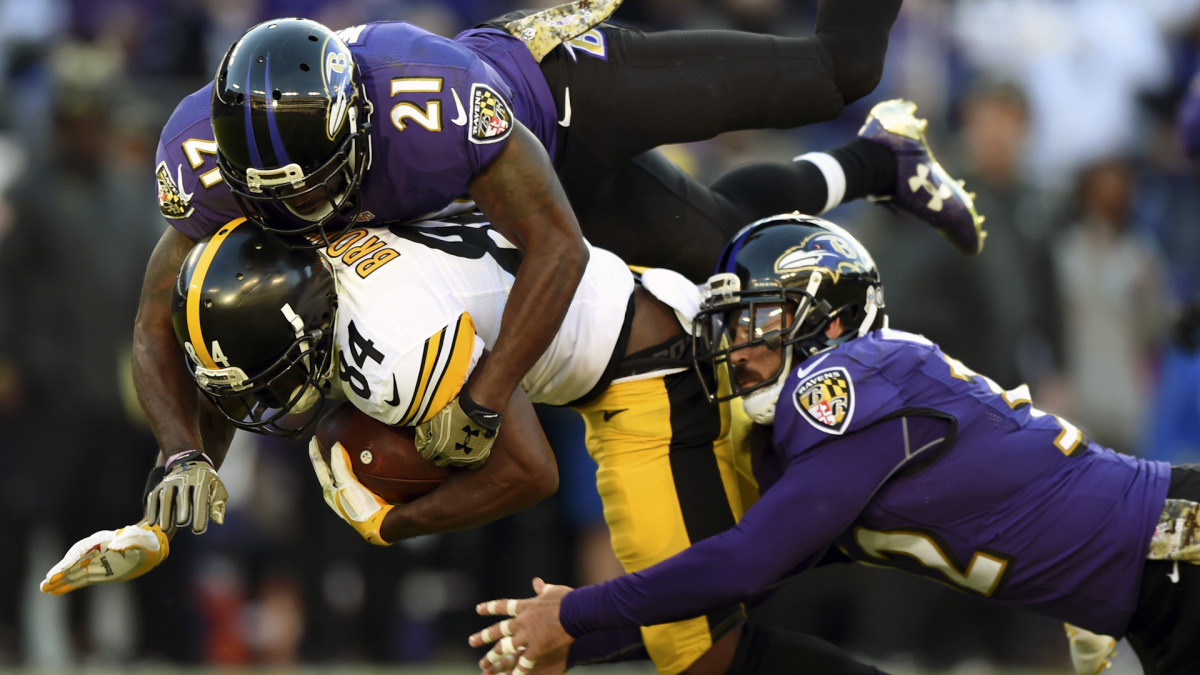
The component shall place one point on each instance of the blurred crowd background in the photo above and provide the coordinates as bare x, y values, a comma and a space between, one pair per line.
1060, 114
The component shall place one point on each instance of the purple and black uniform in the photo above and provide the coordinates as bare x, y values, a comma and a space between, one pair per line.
600, 105
443, 110
901, 456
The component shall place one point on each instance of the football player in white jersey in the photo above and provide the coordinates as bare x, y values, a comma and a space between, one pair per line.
396, 320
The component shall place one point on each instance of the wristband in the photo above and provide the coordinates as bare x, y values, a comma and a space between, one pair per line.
485, 417
187, 456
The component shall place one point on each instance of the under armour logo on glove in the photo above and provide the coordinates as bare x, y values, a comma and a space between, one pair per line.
463, 419
938, 194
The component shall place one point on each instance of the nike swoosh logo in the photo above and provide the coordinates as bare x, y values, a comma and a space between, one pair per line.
609, 414
395, 393
566, 120
1174, 575
462, 114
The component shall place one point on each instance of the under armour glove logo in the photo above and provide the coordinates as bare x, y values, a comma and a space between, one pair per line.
474, 425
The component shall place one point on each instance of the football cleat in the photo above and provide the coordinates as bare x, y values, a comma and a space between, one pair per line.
923, 188
543, 31
1090, 653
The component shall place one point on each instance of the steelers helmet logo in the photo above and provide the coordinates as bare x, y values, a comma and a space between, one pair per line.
826, 400
172, 201
491, 118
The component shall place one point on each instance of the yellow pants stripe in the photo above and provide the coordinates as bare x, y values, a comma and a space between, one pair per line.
667, 478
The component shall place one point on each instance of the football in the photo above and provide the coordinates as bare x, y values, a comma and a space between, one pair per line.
383, 457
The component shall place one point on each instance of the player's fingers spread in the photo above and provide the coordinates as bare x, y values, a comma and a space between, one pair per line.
524, 666
497, 608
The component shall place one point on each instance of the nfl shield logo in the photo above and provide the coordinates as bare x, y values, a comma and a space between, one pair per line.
826, 400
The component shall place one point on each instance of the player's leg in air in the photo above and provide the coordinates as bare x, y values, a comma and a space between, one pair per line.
621, 93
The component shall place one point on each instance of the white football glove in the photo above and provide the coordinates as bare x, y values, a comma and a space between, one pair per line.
461, 434
108, 557
350, 499
1090, 652
191, 492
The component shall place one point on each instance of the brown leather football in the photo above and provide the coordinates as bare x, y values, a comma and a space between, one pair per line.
382, 456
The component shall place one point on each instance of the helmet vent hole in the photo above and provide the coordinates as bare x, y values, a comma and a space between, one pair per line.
239, 276
304, 67
312, 38
241, 98
208, 303
276, 94
261, 59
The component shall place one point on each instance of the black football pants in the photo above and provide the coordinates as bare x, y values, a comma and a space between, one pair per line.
635, 91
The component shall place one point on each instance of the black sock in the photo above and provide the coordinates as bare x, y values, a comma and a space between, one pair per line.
870, 168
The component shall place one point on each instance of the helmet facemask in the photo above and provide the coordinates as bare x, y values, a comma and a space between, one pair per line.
731, 320
256, 319
292, 124
275, 199
283, 399
781, 283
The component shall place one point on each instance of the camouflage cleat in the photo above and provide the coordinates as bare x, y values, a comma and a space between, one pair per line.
544, 30
923, 188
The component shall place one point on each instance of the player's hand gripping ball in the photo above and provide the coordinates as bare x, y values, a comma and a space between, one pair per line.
365, 467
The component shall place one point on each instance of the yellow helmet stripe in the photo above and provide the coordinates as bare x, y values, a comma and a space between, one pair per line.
195, 334
454, 374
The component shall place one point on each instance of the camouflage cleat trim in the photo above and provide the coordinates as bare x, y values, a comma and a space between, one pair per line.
923, 188
543, 31
1177, 534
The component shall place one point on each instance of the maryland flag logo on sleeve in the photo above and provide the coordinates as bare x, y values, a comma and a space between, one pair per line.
172, 201
826, 400
491, 119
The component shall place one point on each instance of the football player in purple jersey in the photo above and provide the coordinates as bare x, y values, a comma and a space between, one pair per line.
878, 447
541, 121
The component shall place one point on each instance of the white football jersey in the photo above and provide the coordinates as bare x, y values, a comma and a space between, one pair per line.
418, 303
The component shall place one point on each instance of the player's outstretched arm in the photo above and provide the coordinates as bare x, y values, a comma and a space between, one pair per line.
521, 196
107, 557
533, 625
183, 490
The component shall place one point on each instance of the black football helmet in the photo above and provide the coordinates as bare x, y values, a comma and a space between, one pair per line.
256, 319
291, 126
779, 283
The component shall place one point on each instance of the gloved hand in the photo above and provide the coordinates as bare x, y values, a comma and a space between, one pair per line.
461, 434
1090, 652
189, 493
349, 498
108, 557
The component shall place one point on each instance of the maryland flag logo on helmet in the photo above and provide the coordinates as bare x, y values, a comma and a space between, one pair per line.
826, 400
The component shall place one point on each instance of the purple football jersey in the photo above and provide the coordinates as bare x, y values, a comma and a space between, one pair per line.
442, 111
903, 457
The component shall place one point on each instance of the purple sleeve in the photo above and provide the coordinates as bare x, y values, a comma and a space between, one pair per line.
818, 496
191, 194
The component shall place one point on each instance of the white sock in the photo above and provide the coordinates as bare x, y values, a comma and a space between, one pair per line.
835, 178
